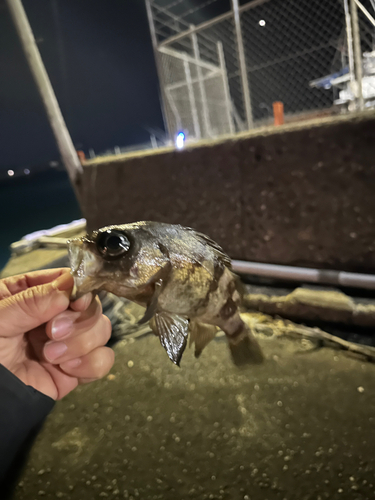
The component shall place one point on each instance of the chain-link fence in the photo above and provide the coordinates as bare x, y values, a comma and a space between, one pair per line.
222, 65
366, 28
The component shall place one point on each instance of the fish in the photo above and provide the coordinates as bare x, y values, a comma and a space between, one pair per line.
182, 277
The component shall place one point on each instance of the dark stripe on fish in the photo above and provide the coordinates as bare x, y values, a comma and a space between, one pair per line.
219, 269
237, 332
228, 309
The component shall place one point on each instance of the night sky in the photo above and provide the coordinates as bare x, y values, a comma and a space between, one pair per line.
99, 58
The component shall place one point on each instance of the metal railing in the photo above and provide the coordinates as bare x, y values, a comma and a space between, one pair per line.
222, 65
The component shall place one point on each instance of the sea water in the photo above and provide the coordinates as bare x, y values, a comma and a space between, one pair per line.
34, 202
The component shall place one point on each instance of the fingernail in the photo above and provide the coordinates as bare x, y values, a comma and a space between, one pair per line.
63, 282
61, 327
54, 350
73, 363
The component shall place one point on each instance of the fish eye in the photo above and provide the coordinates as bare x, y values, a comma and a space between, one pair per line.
112, 244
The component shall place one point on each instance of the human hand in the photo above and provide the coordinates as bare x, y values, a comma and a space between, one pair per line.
47, 341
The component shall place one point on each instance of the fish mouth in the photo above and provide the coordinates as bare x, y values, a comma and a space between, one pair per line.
85, 267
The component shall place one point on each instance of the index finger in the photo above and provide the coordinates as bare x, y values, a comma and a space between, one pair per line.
15, 284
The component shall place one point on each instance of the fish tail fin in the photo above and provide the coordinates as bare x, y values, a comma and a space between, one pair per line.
243, 347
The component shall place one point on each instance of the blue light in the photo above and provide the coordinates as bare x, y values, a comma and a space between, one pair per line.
180, 140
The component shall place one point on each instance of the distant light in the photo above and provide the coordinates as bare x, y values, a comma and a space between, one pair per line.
180, 140
262, 22
10, 173
26, 171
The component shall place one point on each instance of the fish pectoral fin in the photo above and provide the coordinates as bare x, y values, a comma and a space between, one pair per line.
153, 305
172, 330
201, 334
159, 279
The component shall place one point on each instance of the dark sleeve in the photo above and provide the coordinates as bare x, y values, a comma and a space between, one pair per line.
22, 411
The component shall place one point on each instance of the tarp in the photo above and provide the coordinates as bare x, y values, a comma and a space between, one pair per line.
325, 82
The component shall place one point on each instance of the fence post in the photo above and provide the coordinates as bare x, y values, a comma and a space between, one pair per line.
193, 107
349, 41
202, 90
242, 62
228, 101
357, 55
159, 70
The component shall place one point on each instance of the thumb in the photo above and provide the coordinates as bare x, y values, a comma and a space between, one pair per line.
34, 306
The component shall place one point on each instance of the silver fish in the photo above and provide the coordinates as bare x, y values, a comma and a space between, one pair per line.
182, 277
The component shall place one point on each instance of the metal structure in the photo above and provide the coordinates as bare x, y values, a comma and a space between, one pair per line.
223, 64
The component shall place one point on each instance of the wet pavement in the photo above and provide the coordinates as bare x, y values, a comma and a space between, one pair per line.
301, 426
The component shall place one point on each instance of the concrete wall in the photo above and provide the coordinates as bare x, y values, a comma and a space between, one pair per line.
298, 195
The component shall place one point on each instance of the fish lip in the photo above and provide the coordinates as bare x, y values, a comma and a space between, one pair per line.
75, 252
84, 268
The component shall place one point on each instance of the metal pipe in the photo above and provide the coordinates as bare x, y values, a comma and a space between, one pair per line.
182, 83
193, 107
357, 54
366, 12
202, 90
303, 274
55, 117
174, 109
242, 62
186, 57
349, 39
159, 70
228, 101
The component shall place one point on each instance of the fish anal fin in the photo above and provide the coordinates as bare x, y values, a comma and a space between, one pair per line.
172, 330
201, 335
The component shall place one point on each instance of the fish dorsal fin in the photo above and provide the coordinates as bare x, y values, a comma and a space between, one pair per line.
206, 240
172, 330
201, 334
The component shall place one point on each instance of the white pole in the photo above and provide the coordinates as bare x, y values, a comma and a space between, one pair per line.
63, 139
242, 63
228, 101
160, 71
366, 12
349, 40
357, 54
206, 118
193, 107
